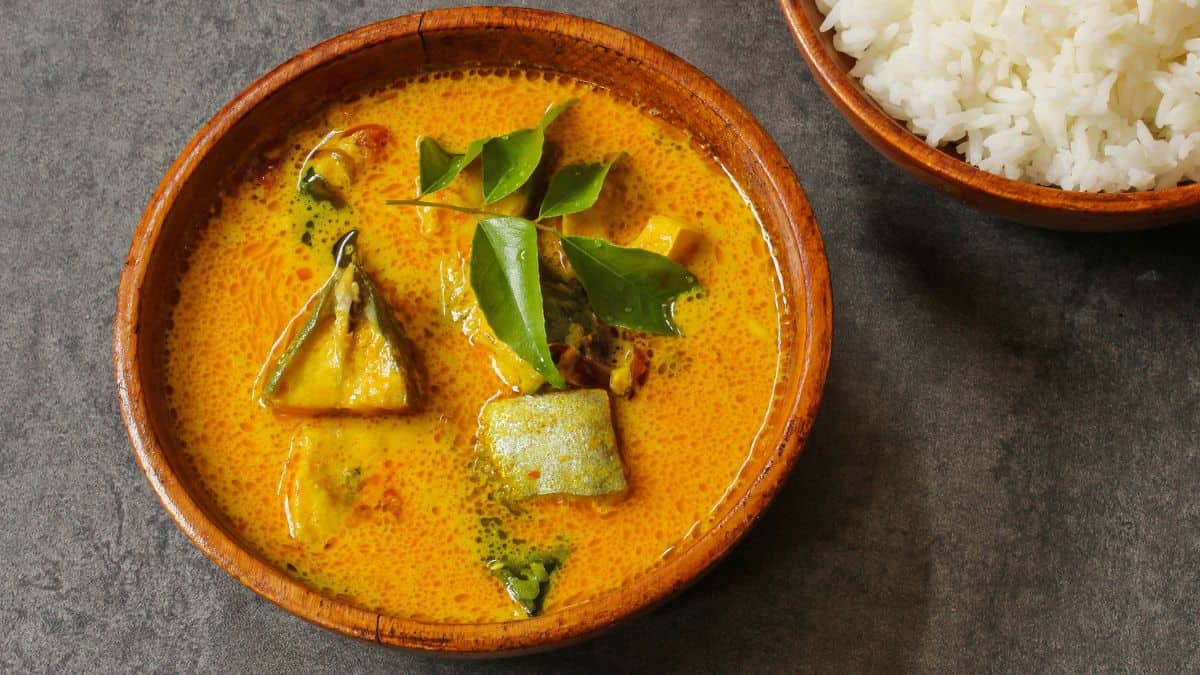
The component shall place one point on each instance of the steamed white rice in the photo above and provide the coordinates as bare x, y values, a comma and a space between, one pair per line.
1092, 95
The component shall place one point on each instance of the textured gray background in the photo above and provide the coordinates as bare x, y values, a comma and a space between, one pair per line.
1003, 475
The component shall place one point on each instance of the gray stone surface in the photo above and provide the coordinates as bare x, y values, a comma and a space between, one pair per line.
1003, 476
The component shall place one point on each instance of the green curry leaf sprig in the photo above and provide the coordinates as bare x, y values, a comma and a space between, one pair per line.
509, 161
575, 188
627, 287
504, 276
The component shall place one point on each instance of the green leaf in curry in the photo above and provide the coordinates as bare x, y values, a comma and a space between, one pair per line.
526, 571
504, 276
527, 579
575, 188
509, 161
439, 167
629, 287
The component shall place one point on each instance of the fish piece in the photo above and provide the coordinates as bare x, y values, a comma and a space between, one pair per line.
334, 479
322, 208
349, 355
558, 443
332, 166
668, 237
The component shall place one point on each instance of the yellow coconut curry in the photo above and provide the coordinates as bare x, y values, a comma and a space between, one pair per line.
474, 347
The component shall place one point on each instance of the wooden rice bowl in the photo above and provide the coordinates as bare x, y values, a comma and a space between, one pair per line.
945, 171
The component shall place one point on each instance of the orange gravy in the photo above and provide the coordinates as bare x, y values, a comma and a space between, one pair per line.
683, 437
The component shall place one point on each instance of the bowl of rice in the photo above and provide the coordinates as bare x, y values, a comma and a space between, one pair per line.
1067, 114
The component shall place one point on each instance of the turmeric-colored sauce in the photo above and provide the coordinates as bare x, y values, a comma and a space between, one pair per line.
683, 436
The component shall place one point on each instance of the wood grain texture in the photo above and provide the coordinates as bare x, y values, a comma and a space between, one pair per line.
1023, 202
492, 37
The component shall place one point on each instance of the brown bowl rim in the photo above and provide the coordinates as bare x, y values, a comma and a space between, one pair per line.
883, 131
572, 623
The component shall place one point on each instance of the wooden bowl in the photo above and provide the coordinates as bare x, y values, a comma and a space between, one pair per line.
453, 38
1023, 202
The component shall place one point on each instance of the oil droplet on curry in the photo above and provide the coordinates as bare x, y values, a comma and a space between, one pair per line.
345, 403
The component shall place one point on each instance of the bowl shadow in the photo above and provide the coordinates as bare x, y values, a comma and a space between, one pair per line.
836, 571
1067, 393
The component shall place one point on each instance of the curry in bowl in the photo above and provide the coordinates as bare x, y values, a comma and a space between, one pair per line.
474, 346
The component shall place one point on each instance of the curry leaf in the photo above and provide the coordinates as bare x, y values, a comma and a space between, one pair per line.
553, 112
438, 167
575, 188
510, 160
504, 276
629, 287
